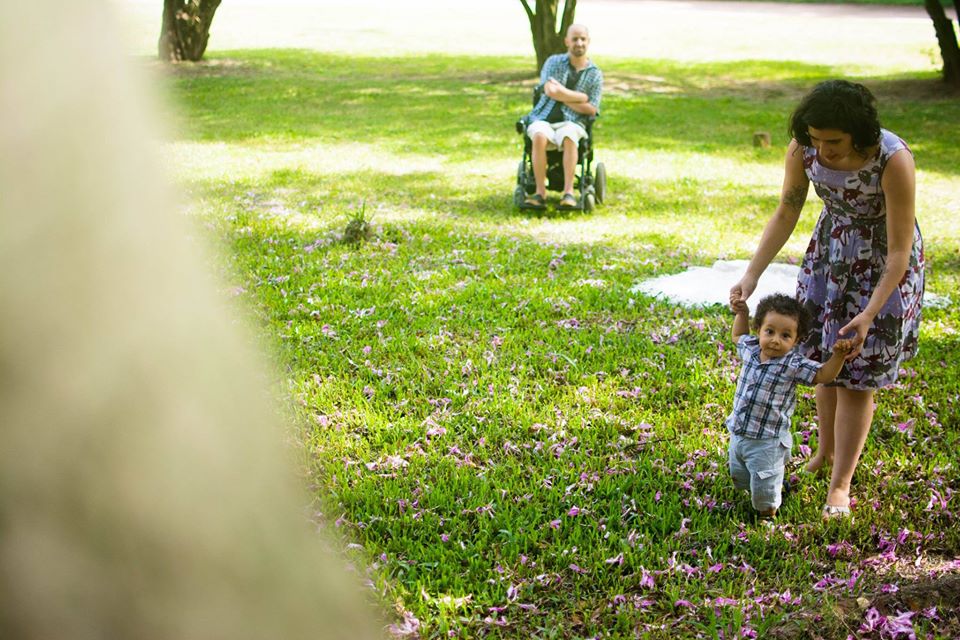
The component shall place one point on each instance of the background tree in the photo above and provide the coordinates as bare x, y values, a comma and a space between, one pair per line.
185, 29
547, 35
947, 38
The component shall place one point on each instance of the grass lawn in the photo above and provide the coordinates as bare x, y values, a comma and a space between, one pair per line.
510, 441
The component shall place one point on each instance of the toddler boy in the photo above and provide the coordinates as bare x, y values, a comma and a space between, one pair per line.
759, 425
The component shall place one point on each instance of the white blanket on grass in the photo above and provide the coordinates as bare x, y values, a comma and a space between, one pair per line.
699, 286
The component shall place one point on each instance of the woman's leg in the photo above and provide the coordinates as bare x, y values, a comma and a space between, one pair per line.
826, 417
854, 414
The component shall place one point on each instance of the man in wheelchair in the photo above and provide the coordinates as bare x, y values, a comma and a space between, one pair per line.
569, 100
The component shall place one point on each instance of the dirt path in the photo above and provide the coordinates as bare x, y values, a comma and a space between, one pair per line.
818, 10
845, 36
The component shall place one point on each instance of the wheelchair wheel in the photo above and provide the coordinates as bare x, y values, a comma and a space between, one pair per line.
600, 183
519, 195
521, 174
589, 202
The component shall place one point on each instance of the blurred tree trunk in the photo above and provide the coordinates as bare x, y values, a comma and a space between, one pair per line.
185, 29
547, 36
947, 38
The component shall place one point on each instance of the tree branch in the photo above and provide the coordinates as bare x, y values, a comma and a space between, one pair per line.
530, 16
569, 11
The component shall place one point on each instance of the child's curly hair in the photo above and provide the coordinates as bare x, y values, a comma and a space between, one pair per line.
785, 306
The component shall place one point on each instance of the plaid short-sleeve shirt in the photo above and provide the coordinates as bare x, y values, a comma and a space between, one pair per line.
766, 391
590, 82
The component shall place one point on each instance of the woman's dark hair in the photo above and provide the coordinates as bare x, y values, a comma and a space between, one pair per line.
785, 306
838, 104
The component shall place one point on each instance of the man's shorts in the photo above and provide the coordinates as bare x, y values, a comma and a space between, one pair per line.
556, 132
758, 465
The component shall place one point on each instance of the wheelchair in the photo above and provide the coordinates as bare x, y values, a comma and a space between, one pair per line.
592, 185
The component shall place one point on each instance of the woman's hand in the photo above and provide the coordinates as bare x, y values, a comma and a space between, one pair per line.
742, 290
856, 331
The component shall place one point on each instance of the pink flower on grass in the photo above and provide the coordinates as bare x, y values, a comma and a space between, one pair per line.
937, 501
408, 628
434, 429
574, 511
646, 580
906, 427
825, 583
901, 626
852, 581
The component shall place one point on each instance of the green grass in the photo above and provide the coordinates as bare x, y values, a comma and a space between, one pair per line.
511, 441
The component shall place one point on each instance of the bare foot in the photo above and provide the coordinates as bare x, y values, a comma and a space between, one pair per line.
818, 465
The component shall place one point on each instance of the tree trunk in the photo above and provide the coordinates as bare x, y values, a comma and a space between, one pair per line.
547, 35
185, 29
947, 39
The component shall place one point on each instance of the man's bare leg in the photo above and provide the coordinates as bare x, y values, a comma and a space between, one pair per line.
569, 164
538, 157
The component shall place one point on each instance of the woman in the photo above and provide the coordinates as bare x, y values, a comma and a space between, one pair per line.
862, 275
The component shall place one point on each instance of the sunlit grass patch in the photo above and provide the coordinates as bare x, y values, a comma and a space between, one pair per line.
510, 441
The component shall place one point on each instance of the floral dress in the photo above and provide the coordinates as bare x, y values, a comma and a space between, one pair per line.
844, 262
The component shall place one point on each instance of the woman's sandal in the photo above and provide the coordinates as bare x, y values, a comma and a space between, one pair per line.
834, 512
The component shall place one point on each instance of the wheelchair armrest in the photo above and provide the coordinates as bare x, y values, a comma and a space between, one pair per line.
589, 125
521, 124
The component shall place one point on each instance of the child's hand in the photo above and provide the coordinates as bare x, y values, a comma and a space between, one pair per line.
737, 305
845, 345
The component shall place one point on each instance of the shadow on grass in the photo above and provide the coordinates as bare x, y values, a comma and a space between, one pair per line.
442, 290
676, 214
465, 107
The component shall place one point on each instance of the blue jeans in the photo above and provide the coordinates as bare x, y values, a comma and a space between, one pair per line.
758, 466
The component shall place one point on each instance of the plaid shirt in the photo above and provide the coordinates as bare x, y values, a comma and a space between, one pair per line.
766, 391
590, 82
